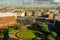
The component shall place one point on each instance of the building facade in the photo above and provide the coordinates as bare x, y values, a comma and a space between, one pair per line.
37, 13
7, 19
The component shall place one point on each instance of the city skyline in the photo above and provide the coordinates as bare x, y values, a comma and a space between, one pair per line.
47, 3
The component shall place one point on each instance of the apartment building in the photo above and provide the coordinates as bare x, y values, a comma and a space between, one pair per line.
52, 13
50, 16
28, 14
21, 14
37, 13
7, 19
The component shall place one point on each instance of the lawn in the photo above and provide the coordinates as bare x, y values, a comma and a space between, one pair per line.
26, 35
15, 28
11, 30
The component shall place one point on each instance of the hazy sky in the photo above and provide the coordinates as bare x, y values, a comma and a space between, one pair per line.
57, 1
36, 2
22, 1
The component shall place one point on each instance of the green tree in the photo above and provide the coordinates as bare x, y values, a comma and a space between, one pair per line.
6, 34
1, 32
49, 37
43, 26
18, 26
53, 34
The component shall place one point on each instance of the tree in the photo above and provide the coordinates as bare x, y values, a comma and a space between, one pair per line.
18, 26
1, 32
6, 34
49, 37
43, 26
53, 34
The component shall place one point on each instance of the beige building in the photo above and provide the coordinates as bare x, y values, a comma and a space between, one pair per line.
37, 13
50, 16
7, 19
21, 14
28, 14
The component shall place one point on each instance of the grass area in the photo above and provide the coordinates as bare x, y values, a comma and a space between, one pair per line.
26, 35
19, 26
11, 30
15, 28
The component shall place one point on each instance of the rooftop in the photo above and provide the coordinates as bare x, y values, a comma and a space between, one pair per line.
5, 14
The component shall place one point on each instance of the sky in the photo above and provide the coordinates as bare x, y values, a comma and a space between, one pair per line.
40, 3
57, 1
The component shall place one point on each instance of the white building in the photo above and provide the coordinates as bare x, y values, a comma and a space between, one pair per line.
22, 14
